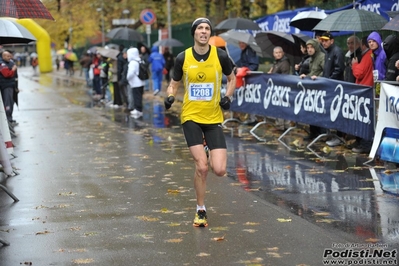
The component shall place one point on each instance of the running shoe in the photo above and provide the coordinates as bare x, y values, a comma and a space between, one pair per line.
200, 219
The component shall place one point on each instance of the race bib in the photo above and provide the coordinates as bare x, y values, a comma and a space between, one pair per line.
200, 91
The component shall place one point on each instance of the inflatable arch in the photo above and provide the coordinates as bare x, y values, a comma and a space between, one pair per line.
43, 44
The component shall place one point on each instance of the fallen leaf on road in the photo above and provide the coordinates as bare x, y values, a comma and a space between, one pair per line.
251, 223
174, 240
249, 230
83, 261
321, 213
203, 254
221, 238
173, 191
282, 220
43, 232
147, 218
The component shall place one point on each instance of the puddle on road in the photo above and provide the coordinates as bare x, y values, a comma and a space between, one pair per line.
333, 190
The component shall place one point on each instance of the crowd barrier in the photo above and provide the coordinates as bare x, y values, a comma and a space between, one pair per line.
327, 103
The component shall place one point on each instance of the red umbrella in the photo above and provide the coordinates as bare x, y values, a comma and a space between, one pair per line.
24, 9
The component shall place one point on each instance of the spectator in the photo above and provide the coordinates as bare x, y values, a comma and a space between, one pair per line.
113, 70
96, 65
391, 48
316, 62
85, 63
375, 44
123, 83
363, 72
316, 66
249, 59
157, 65
353, 43
334, 67
121, 59
169, 63
105, 93
145, 54
303, 66
136, 85
281, 65
34, 62
8, 76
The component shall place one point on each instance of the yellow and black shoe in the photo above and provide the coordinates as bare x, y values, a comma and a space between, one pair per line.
200, 219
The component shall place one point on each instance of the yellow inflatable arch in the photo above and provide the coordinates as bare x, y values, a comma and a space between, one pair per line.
43, 44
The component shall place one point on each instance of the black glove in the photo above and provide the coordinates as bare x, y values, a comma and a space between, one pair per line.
169, 101
225, 103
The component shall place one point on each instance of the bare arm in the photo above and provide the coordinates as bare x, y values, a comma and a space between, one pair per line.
231, 84
172, 88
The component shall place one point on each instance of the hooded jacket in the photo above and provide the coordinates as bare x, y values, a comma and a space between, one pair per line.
316, 63
156, 60
132, 75
391, 48
379, 55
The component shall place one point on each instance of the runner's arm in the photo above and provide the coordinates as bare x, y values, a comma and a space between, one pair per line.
177, 75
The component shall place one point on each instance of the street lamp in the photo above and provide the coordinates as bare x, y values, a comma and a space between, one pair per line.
100, 9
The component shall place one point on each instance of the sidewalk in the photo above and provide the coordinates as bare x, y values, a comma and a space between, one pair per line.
93, 192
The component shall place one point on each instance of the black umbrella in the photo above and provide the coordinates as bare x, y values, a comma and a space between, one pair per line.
168, 43
124, 33
237, 24
12, 32
299, 37
270, 39
393, 24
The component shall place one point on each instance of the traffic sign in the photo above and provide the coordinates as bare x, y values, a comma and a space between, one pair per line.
147, 16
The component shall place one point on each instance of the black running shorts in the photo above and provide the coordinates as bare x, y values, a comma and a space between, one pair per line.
213, 133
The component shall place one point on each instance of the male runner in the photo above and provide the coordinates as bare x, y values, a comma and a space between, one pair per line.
200, 69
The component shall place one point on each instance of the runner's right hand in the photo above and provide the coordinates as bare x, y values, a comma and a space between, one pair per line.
169, 101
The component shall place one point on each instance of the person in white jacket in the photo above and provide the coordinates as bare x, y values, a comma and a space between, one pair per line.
136, 85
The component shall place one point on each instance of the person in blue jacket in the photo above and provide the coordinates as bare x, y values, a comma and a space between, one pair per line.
157, 62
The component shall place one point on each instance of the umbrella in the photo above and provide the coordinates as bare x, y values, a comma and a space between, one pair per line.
355, 20
392, 14
112, 46
307, 20
168, 42
270, 39
237, 24
108, 52
12, 32
24, 9
217, 41
71, 56
234, 37
127, 34
393, 24
299, 37
62, 51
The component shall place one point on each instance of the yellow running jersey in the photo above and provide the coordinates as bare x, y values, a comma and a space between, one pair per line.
202, 82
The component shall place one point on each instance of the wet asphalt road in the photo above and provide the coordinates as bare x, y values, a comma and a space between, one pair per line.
100, 188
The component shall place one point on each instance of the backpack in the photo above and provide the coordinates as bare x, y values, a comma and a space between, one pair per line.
143, 70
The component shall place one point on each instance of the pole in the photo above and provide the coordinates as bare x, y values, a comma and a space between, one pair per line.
102, 25
169, 19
